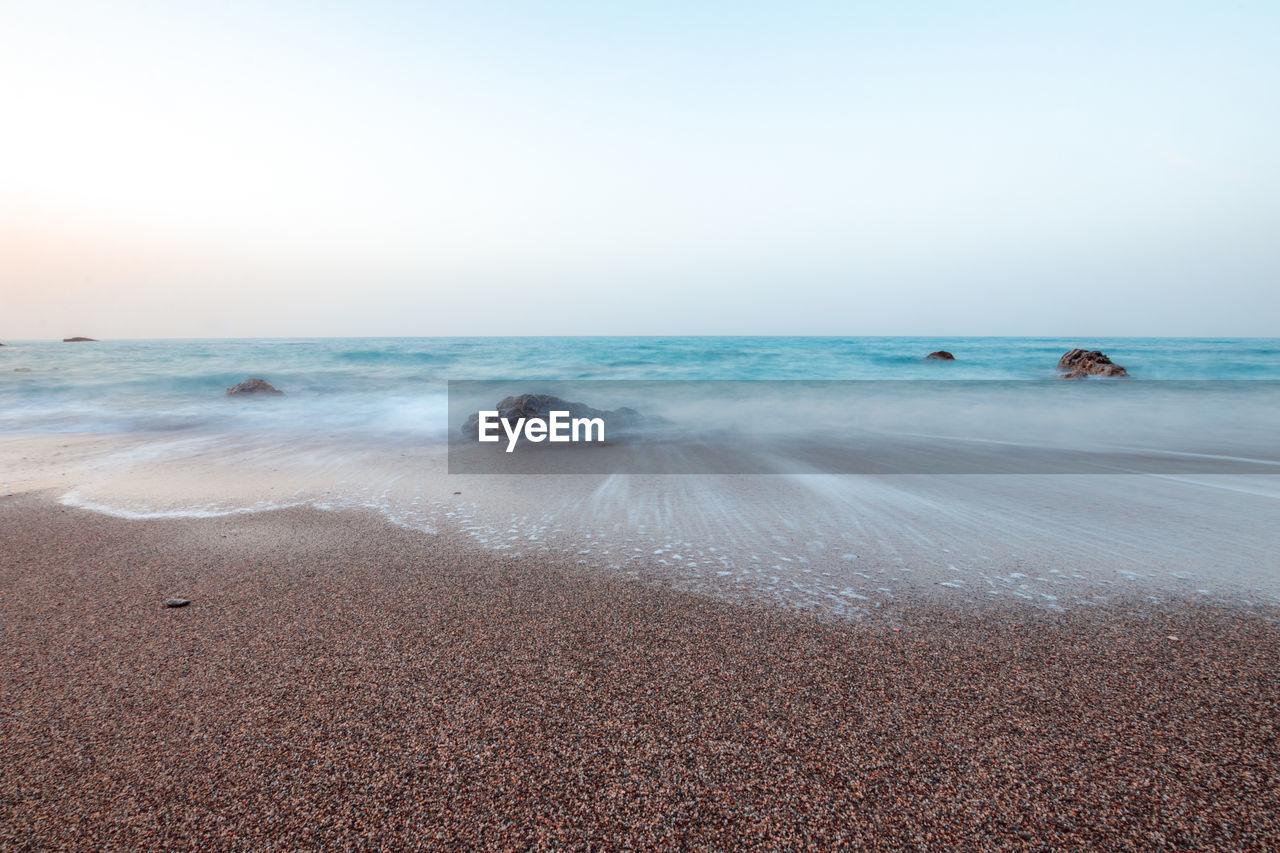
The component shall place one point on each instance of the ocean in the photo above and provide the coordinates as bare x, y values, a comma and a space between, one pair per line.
977, 478
397, 386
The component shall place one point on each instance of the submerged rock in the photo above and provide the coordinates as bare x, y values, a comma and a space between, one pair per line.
512, 409
1089, 363
252, 387
941, 355
79, 340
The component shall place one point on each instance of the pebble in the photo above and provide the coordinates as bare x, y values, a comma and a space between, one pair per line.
366, 687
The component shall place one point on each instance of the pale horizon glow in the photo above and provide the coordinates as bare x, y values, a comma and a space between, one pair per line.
288, 169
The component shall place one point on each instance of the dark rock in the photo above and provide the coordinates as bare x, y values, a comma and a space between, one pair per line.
526, 406
79, 340
1091, 363
251, 388
176, 602
1075, 374
941, 355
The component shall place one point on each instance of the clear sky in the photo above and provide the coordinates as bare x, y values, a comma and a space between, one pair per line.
172, 169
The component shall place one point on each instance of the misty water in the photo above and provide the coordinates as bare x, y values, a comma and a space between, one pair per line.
826, 473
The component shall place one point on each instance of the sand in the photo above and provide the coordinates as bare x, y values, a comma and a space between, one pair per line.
338, 682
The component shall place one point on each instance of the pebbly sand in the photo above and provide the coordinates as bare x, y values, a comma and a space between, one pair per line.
339, 682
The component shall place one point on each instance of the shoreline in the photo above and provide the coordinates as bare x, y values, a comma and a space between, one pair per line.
850, 545
337, 680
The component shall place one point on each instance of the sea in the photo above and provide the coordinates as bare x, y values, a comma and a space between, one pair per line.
399, 385
982, 478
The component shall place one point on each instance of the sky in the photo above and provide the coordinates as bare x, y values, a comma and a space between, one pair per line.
286, 169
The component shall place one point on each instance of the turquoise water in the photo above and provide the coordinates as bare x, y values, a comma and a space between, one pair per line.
362, 424
397, 385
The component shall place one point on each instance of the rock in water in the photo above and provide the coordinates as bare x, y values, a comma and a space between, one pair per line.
79, 340
252, 387
941, 355
512, 409
176, 602
1089, 363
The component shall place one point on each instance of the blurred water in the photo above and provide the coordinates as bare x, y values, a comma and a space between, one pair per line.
143, 429
396, 387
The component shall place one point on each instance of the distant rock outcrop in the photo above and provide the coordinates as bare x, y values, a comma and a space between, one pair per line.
941, 355
79, 340
251, 388
512, 409
1088, 363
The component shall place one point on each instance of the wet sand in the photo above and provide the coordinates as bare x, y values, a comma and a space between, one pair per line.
845, 545
338, 682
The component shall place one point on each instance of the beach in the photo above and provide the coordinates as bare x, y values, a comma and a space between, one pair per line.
639, 427
996, 611
338, 681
